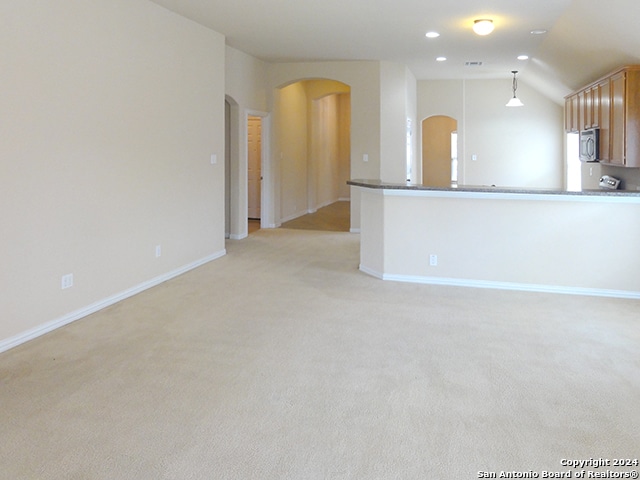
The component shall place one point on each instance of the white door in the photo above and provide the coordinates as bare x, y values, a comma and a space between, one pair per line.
254, 135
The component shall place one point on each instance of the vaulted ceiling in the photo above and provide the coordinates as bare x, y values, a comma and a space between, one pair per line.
584, 39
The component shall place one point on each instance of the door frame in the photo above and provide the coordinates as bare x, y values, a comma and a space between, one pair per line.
266, 187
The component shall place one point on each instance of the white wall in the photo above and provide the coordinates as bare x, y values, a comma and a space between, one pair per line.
515, 147
394, 112
290, 121
110, 112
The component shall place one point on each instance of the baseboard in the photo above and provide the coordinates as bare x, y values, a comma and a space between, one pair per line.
240, 236
354, 230
100, 304
372, 272
293, 217
523, 287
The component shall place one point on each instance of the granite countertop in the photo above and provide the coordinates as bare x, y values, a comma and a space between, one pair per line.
378, 184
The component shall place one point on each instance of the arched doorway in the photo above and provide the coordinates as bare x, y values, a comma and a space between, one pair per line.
312, 127
439, 151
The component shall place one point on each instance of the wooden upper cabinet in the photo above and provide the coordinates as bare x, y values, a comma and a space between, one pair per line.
611, 104
594, 106
568, 125
604, 114
572, 113
617, 133
582, 114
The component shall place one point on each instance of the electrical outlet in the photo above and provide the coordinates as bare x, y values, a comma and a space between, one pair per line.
158, 251
433, 260
67, 281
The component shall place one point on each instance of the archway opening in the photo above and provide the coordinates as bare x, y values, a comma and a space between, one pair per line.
313, 146
439, 151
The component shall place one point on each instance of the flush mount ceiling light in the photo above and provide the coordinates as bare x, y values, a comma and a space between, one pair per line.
483, 26
432, 34
515, 101
441, 59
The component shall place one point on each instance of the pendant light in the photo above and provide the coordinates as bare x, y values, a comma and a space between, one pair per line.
515, 101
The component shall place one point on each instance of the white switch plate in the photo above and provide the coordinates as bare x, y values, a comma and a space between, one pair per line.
158, 251
474, 157
365, 157
214, 159
433, 260
67, 281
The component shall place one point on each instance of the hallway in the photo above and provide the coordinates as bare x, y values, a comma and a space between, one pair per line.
332, 218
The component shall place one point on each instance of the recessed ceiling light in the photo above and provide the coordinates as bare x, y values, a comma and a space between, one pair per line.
441, 59
539, 31
483, 26
523, 57
432, 34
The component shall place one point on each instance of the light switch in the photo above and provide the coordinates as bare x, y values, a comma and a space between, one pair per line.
214, 159
365, 157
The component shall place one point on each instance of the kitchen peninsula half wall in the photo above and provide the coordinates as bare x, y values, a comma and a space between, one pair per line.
536, 240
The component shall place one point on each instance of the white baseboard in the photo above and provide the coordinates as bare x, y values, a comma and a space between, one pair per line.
354, 230
235, 236
24, 337
293, 217
523, 287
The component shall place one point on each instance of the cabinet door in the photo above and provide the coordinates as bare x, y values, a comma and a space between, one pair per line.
575, 113
587, 101
632, 119
581, 111
604, 109
595, 106
569, 125
617, 119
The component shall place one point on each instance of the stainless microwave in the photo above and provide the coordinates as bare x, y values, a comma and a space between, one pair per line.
590, 145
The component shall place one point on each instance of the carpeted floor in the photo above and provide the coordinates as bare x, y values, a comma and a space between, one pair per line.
283, 361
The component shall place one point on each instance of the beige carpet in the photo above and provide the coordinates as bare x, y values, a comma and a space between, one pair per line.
283, 361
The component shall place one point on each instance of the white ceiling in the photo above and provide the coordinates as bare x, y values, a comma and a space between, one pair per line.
585, 39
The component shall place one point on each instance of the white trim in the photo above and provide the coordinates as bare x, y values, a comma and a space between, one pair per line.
498, 195
100, 304
525, 287
294, 216
372, 272
354, 230
238, 236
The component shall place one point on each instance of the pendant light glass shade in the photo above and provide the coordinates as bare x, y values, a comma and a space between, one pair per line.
515, 101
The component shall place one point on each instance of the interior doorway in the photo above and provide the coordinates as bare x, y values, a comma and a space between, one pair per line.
439, 153
254, 168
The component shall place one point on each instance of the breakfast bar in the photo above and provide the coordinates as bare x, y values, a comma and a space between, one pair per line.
582, 242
